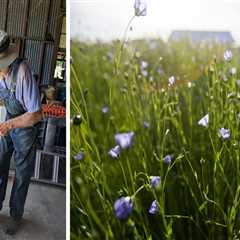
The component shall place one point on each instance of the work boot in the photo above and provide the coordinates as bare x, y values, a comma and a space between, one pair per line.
12, 226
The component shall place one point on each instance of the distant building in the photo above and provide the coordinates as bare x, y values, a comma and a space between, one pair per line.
202, 36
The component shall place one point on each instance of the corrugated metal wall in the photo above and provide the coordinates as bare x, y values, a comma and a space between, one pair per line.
38, 24
16, 17
3, 7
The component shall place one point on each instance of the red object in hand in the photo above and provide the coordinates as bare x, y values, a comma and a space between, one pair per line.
54, 110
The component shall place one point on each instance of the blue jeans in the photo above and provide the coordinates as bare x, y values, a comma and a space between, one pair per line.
24, 162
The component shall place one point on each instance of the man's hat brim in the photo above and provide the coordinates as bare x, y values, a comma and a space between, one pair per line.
8, 56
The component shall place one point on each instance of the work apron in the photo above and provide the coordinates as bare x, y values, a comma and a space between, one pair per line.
21, 144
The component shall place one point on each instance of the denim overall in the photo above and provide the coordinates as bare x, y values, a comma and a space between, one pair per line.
19, 143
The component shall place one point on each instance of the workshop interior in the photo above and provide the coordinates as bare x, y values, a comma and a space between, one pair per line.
41, 36
39, 29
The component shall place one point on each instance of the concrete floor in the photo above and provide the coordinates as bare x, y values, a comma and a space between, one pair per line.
45, 214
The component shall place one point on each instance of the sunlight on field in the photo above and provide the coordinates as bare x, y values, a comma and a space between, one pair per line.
155, 139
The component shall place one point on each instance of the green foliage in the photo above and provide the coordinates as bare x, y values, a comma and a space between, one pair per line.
199, 195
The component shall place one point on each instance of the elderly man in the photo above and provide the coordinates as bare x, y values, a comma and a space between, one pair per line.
18, 133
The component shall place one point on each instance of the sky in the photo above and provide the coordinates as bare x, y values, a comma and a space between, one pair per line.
107, 19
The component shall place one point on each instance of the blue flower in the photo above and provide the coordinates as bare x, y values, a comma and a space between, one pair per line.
105, 110
123, 208
145, 73
155, 181
154, 208
79, 156
144, 65
167, 159
228, 55
160, 71
114, 152
171, 81
146, 124
224, 133
124, 140
204, 121
140, 7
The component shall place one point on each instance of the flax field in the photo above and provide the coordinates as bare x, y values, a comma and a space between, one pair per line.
155, 140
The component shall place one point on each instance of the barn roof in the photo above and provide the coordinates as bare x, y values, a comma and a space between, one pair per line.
198, 36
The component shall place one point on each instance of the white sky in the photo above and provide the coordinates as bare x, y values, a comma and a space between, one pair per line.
107, 19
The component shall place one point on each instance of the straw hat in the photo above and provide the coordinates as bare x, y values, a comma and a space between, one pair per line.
8, 51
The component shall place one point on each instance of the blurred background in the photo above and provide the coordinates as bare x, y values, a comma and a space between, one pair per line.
107, 19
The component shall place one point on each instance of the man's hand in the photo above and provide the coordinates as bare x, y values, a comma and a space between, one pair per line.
5, 127
26, 120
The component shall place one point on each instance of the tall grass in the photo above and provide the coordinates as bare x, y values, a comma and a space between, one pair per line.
199, 193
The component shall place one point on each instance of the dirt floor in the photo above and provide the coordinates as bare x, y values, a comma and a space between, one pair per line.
44, 217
